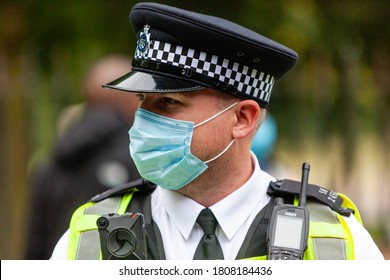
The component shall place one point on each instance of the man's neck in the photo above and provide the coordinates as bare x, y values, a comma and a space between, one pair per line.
216, 183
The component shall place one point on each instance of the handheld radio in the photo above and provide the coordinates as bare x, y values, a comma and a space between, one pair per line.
288, 230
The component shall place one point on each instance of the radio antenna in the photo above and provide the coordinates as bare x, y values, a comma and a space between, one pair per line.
304, 183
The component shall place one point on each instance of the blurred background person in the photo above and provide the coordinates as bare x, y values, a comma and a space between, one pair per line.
263, 146
264, 143
91, 155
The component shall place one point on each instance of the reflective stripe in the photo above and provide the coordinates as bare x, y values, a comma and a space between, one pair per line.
76, 226
84, 240
328, 238
111, 204
329, 249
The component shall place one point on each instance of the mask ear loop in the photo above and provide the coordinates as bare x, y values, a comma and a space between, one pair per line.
221, 153
213, 117
216, 115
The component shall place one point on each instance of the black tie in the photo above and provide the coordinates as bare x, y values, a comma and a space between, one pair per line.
208, 247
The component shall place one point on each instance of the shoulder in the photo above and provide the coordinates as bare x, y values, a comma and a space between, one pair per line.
365, 246
141, 185
60, 251
337, 202
320, 201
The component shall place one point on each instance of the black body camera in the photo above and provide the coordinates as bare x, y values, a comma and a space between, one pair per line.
122, 237
288, 230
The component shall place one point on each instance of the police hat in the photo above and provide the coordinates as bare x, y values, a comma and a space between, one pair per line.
179, 51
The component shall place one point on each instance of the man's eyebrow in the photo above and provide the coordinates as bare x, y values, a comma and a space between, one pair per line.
172, 94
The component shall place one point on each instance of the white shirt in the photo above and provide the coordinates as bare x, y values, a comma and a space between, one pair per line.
176, 216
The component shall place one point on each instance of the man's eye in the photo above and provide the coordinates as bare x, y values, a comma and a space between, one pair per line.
168, 100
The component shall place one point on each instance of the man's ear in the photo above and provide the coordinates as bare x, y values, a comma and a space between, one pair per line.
247, 113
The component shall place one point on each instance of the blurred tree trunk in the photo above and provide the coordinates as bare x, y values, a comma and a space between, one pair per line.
14, 135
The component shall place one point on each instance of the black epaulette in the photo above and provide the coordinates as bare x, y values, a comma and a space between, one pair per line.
323, 195
139, 184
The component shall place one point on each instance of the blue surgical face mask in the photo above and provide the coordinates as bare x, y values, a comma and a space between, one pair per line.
160, 148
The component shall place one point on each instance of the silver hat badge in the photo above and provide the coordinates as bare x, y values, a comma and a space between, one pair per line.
143, 42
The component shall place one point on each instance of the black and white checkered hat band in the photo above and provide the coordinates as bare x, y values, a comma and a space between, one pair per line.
247, 81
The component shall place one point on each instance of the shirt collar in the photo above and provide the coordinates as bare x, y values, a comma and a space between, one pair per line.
246, 198
184, 211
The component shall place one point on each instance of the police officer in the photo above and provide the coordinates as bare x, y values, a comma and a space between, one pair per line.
204, 84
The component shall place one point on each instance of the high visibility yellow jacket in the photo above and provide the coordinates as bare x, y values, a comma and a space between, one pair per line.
329, 235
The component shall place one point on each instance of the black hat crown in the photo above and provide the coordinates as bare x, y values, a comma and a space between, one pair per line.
179, 50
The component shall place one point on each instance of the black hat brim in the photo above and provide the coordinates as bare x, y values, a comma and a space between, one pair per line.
141, 82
